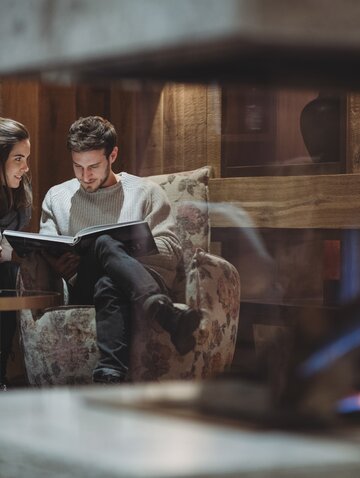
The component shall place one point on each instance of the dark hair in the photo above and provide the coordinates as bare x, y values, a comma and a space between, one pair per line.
92, 132
11, 133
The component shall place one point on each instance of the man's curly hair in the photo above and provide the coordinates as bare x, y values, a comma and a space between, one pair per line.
92, 133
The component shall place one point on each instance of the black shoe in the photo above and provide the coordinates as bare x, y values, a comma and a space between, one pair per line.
180, 323
107, 375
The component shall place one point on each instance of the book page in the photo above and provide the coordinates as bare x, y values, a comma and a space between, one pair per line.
104, 227
38, 237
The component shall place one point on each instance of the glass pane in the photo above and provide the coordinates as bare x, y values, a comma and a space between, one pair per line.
273, 130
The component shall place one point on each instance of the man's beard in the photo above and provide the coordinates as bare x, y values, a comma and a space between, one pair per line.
102, 182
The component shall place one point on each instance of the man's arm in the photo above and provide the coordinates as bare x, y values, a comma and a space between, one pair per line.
67, 264
162, 224
48, 223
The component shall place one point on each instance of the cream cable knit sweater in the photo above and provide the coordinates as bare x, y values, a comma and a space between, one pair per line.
67, 208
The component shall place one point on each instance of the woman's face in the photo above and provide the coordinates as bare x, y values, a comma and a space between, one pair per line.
17, 163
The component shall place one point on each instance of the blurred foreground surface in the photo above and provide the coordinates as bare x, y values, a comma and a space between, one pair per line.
158, 431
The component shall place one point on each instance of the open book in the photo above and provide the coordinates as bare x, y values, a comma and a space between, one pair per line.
136, 237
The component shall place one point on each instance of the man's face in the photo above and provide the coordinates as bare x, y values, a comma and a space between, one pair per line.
93, 169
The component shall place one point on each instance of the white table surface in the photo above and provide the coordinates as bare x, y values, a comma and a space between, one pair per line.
60, 433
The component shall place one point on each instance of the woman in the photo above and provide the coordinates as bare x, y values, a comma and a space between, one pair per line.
15, 211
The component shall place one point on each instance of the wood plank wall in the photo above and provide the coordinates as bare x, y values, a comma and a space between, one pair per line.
20, 101
173, 127
161, 128
166, 128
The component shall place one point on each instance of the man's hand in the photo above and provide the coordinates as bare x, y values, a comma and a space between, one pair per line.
65, 265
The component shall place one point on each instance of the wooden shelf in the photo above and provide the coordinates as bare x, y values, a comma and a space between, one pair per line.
296, 302
294, 202
278, 169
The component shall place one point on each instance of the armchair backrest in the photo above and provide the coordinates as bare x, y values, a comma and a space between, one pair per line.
188, 193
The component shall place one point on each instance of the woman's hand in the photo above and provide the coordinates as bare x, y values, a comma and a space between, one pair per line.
65, 265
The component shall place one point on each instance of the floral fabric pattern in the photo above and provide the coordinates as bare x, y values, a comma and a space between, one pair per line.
60, 344
218, 330
60, 347
188, 194
215, 338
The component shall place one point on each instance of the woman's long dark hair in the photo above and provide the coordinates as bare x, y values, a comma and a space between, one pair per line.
11, 133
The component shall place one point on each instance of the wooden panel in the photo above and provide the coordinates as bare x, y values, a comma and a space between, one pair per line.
192, 124
174, 129
57, 112
149, 131
289, 202
20, 101
213, 141
353, 133
92, 100
122, 114
195, 128
167, 128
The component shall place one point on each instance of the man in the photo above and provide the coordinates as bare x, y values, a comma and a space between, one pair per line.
117, 284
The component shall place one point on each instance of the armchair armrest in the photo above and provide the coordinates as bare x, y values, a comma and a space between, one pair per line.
213, 285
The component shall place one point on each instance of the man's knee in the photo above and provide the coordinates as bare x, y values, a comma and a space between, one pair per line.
101, 243
105, 286
104, 283
106, 246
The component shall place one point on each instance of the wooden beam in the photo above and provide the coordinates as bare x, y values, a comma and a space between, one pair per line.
320, 202
180, 38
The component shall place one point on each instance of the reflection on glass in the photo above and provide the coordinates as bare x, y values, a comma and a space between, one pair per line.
283, 203
268, 130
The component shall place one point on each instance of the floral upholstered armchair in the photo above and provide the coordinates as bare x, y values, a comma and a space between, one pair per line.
59, 344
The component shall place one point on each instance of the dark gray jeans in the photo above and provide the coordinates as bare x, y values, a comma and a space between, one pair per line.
117, 284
